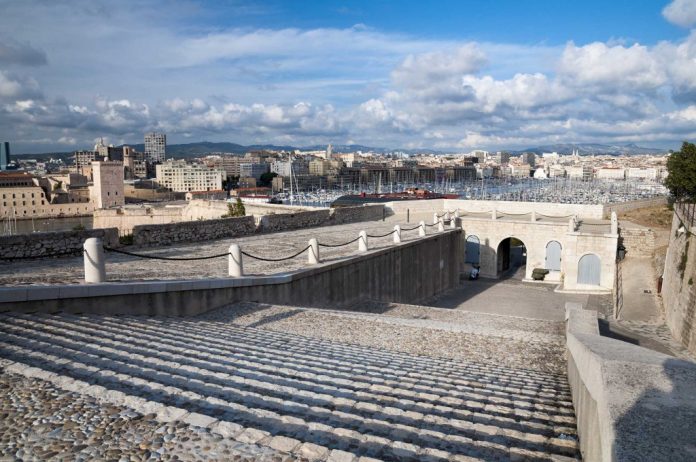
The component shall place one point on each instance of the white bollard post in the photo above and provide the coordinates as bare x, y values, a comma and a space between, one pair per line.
421, 230
435, 218
456, 213
397, 234
440, 225
494, 214
533, 216
95, 266
234, 262
313, 252
362, 242
453, 222
447, 216
614, 223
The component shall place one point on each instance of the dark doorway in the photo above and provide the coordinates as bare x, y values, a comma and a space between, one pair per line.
512, 258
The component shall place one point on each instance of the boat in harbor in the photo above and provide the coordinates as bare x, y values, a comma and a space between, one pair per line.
407, 195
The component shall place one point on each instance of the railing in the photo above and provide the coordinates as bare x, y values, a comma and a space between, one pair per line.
95, 262
686, 212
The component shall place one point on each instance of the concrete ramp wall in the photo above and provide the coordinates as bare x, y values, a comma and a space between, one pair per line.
631, 403
403, 273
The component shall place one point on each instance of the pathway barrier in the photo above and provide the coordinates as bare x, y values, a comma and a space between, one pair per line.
95, 261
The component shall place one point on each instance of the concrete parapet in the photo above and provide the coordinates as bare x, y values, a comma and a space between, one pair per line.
631, 403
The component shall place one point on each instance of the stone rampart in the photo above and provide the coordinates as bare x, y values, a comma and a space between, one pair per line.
342, 215
633, 205
639, 241
631, 403
679, 285
126, 218
550, 209
190, 231
288, 221
409, 272
38, 245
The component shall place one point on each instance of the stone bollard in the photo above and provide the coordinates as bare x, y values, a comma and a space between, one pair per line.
614, 223
397, 234
440, 225
456, 213
313, 252
453, 222
421, 230
234, 262
435, 218
362, 242
447, 216
534, 216
95, 265
494, 214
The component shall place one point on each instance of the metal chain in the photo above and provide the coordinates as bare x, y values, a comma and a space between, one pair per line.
276, 259
339, 245
156, 257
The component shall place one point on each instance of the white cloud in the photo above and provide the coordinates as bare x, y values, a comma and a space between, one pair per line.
681, 12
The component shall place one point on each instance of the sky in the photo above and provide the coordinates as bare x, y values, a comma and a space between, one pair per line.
449, 75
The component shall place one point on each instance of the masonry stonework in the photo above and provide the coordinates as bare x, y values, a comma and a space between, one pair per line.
191, 231
38, 245
679, 286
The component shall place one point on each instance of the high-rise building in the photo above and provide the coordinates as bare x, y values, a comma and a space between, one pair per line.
155, 147
4, 155
182, 177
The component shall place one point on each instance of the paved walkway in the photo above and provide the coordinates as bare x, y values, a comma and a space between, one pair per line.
268, 391
640, 302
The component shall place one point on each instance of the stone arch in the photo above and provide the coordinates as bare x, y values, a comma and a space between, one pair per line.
473, 250
511, 254
590, 270
552, 261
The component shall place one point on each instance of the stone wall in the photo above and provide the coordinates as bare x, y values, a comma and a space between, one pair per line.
190, 231
341, 215
126, 218
633, 205
679, 286
512, 207
409, 272
639, 241
288, 221
37, 245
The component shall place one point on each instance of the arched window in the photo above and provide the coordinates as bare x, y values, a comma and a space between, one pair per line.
553, 256
473, 246
589, 270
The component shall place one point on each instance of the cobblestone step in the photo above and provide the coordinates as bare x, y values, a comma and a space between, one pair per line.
496, 412
234, 347
378, 404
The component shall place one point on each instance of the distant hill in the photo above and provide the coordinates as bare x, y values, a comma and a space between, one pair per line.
589, 149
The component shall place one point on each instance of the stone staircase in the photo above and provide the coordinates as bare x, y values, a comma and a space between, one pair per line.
310, 398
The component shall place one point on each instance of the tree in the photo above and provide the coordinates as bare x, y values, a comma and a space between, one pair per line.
235, 210
681, 169
267, 178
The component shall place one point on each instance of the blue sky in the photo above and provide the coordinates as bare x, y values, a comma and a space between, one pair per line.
450, 75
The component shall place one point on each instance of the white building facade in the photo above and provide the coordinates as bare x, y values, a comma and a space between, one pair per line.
178, 176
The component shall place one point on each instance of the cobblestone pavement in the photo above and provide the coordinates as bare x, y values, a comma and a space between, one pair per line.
438, 333
123, 267
118, 387
39, 422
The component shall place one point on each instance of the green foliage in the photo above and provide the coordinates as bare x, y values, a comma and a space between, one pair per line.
79, 227
681, 168
126, 239
235, 210
267, 178
58, 186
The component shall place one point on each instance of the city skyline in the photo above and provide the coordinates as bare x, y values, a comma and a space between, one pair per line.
448, 76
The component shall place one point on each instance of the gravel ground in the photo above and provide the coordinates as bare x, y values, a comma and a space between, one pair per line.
41, 422
535, 345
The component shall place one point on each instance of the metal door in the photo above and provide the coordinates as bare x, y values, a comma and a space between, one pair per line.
472, 249
553, 256
589, 270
